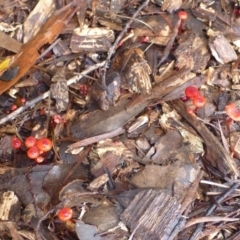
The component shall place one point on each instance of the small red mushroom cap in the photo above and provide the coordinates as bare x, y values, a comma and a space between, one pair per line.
199, 101
65, 214
30, 141
191, 92
233, 111
44, 144
33, 152
182, 15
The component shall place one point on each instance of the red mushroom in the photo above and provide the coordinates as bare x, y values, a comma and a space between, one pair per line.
65, 214
199, 101
16, 143
233, 111
183, 16
44, 144
30, 141
191, 92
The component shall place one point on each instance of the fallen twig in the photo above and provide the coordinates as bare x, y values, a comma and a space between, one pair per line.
212, 208
209, 219
91, 140
33, 102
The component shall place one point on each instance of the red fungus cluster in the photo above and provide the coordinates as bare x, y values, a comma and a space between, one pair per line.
36, 147
196, 99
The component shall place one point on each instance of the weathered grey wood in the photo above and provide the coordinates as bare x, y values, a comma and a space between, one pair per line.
152, 215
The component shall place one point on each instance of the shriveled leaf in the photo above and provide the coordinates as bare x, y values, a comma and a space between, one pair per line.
86, 231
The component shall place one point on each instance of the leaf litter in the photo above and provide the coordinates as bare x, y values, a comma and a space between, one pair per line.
131, 154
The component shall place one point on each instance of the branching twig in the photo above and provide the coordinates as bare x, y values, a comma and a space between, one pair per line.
209, 219
212, 208
33, 102
114, 46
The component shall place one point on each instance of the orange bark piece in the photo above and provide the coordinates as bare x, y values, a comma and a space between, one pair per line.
28, 53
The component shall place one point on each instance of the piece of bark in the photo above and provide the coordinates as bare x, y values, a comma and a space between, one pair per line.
28, 54
9, 43
9, 207
6, 149
152, 53
39, 15
222, 50
193, 53
216, 154
99, 122
152, 215
98, 182
91, 40
171, 5
109, 160
97, 138
59, 90
180, 91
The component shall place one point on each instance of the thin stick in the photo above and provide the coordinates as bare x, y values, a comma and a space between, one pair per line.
209, 219
91, 140
114, 46
199, 226
216, 184
33, 102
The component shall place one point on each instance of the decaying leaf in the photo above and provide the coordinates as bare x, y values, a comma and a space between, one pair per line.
154, 176
194, 142
104, 217
106, 98
86, 231
59, 90
9, 74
